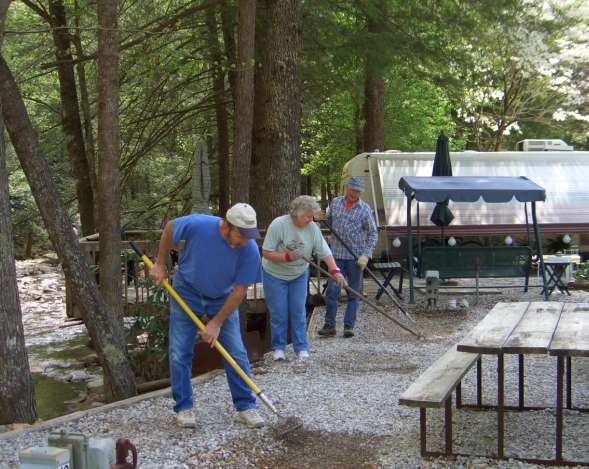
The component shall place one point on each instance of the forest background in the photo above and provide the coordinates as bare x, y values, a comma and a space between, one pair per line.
129, 113
363, 75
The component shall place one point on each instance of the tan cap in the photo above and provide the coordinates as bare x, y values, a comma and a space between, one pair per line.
243, 216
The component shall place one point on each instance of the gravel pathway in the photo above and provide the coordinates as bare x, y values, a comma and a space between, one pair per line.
347, 396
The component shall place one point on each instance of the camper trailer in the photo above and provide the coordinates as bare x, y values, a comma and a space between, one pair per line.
542, 145
563, 175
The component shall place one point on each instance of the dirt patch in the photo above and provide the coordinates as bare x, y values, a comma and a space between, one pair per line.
301, 450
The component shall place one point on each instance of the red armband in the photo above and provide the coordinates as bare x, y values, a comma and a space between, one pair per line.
335, 271
287, 257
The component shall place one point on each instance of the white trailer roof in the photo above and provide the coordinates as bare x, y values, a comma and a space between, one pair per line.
563, 175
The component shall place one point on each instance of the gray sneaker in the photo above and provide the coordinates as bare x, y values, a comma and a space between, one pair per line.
185, 419
250, 418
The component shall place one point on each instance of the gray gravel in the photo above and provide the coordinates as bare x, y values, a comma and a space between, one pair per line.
347, 395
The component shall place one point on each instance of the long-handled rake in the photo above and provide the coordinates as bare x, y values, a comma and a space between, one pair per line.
289, 423
367, 301
372, 275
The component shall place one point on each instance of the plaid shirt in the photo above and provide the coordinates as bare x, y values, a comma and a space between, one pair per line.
355, 226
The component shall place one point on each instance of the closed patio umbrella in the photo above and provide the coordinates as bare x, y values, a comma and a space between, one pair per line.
442, 215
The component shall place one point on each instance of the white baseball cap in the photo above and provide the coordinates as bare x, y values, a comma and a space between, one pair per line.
243, 216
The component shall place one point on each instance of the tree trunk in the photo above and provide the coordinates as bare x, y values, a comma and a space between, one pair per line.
17, 398
201, 180
277, 134
109, 183
358, 129
70, 117
374, 89
223, 158
324, 202
86, 112
373, 112
106, 334
228, 23
244, 102
256, 198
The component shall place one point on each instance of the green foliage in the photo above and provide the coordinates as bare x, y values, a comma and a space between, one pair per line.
583, 272
150, 358
475, 70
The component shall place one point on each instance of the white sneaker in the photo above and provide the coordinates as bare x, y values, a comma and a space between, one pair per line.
279, 355
303, 355
250, 418
185, 419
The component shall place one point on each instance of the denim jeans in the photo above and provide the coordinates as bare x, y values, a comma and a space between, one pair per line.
284, 297
353, 275
181, 349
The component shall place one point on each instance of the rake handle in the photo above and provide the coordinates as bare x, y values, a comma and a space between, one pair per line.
365, 300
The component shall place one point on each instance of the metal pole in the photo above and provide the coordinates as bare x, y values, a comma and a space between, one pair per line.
559, 373
423, 430
569, 382
448, 424
410, 250
539, 249
500, 405
480, 381
521, 380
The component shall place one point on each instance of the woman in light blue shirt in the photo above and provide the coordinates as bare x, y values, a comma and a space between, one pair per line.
289, 240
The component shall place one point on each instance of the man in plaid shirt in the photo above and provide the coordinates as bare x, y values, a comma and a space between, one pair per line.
353, 221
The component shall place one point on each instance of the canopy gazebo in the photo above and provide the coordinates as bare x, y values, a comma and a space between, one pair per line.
466, 189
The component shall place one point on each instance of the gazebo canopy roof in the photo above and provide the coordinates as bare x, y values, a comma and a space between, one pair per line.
495, 189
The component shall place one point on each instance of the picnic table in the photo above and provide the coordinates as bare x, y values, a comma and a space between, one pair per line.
545, 328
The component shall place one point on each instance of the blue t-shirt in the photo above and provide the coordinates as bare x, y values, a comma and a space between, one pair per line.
207, 263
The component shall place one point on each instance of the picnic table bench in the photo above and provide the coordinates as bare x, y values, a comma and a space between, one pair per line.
433, 389
536, 328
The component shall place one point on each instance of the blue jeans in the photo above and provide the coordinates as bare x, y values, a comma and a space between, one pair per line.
353, 275
181, 349
282, 297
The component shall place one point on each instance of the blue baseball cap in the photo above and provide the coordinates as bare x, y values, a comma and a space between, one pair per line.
356, 184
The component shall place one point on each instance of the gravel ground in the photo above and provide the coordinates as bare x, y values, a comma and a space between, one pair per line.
347, 396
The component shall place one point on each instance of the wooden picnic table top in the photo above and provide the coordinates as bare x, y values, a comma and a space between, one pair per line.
538, 327
572, 333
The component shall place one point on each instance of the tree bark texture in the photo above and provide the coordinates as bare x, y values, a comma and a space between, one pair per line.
201, 180
277, 164
106, 334
223, 157
86, 112
374, 89
109, 183
228, 23
244, 101
70, 117
17, 398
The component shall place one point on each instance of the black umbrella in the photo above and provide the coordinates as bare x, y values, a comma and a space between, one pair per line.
442, 215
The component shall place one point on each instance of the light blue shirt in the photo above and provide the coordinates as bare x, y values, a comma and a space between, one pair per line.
282, 236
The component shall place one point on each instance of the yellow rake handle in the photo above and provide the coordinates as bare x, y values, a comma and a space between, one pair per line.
199, 323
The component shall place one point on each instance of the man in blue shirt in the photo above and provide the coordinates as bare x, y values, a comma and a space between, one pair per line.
219, 259
352, 219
